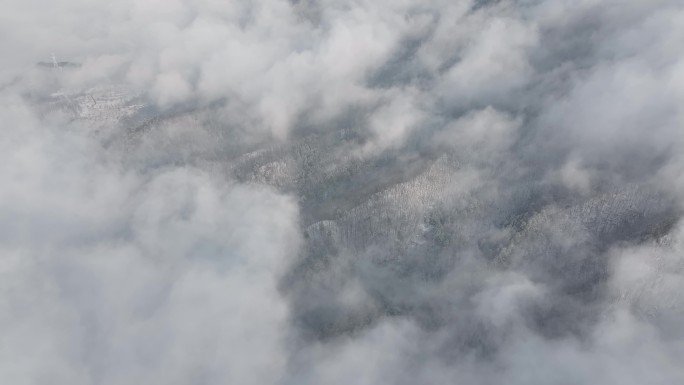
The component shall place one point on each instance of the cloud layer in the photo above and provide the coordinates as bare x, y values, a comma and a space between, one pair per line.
311, 191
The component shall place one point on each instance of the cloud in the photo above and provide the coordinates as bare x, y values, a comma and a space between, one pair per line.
114, 276
318, 191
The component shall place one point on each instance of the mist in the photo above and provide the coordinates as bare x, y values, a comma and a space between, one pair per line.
327, 192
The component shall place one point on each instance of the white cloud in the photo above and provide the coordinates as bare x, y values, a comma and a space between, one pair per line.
112, 276
132, 256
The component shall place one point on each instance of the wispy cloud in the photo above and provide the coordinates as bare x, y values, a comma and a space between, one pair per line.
306, 192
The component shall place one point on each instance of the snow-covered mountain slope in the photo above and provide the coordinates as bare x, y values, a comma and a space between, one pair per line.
392, 227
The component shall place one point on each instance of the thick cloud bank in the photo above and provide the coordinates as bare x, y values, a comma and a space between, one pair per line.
334, 192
